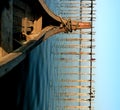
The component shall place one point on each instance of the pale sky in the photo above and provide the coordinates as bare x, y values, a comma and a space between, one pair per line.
108, 55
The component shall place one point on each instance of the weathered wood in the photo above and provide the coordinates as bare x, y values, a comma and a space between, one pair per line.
57, 18
73, 94
76, 2
6, 30
75, 46
76, 60
76, 73
76, 39
38, 35
76, 67
66, 80
77, 107
75, 53
37, 25
9, 61
37, 28
77, 87
76, 100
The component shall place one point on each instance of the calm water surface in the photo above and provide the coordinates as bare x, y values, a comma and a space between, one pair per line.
42, 86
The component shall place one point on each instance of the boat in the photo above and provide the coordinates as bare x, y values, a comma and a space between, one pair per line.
24, 25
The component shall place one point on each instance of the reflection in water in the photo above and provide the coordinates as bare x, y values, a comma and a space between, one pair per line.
43, 89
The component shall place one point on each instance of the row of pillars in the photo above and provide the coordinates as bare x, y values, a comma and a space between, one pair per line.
80, 91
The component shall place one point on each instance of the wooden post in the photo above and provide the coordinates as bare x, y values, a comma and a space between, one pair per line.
76, 73
73, 94
77, 80
77, 107
75, 46
77, 87
76, 53
76, 60
75, 100
77, 39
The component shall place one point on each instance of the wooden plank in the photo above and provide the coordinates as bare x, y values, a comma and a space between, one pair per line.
76, 60
73, 94
76, 73
75, 46
76, 39
75, 53
8, 62
66, 80
76, 67
77, 107
77, 87
76, 100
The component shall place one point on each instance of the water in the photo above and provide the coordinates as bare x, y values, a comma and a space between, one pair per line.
42, 84
37, 84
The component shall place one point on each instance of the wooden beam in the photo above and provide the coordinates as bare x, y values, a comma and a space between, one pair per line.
77, 87
76, 73
73, 94
77, 107
75, 100
76, 60
74, 46
75, 53
76, 39
66, 80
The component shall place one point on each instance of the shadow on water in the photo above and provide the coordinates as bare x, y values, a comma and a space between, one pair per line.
36, 85
26, 87
9, 87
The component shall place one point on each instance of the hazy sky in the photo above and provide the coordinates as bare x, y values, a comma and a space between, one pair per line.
108, 55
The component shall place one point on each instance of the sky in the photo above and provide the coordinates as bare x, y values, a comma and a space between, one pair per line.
107, 55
